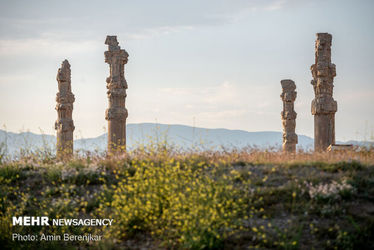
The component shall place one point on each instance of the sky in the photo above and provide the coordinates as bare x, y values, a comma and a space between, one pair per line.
211, 63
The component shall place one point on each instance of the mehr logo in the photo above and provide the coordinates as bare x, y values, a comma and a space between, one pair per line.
44, 221
31, 221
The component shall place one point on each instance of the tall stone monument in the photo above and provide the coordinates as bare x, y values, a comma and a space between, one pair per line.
324, 106
116, 114
64, 124
289, 116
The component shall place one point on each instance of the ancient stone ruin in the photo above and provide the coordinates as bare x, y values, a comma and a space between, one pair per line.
340, 148
324, 106
64, 124
288, 115
116, 114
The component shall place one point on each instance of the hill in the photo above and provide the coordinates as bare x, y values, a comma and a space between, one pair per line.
161, 199
180, 136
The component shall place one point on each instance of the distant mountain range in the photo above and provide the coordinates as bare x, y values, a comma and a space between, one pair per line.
177, 135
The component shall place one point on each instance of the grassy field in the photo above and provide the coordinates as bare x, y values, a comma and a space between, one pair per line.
162, 199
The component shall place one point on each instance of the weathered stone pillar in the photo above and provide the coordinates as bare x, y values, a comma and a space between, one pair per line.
64, 124
289, 116
116, 114
324, 106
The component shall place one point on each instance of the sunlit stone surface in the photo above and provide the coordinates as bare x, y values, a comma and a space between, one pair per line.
64, 124
324, 106
116, 114
289, 116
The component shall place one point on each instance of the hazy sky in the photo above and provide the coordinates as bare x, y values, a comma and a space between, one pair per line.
211, 63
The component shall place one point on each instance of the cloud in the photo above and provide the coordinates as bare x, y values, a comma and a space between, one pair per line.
139, 19
152, 32
211, 103
48, 45
276, 5
227, 93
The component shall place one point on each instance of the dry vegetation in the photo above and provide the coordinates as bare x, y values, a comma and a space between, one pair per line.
163, 199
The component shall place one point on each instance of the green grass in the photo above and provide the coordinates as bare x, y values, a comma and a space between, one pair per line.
196, 200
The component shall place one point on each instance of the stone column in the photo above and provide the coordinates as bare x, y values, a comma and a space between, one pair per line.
289, 116
324, 106
64, 124
116, 114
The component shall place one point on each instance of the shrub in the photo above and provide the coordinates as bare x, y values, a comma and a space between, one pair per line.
173, 202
